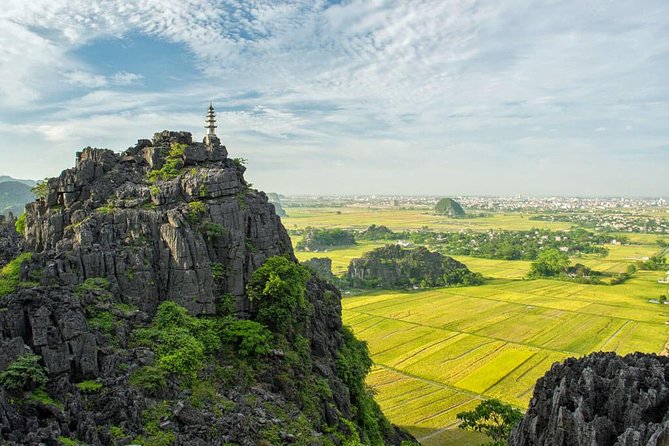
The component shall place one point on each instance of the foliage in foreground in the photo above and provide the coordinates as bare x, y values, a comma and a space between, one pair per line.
492, 418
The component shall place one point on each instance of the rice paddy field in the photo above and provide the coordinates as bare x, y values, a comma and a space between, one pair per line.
401, 219
439, 352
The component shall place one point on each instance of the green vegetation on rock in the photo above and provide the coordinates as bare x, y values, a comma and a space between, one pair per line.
20, 224
10, 274
277, 291
172, 166
23, 373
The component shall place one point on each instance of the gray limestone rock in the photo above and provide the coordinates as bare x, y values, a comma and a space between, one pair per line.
601, 399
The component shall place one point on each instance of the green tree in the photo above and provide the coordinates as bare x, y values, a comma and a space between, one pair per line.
549, 263
24, 371
277, 291
492, 418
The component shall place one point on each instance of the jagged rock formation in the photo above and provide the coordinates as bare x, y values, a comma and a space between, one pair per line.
114, 237
601, 399
392, 266
275, 199
104, 219
11, 243
322, 266
450, 207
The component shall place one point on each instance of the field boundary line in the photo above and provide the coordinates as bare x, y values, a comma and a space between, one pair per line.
511, 371
613, 336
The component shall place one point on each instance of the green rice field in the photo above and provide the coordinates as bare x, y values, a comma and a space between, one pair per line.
439, 352
454, 346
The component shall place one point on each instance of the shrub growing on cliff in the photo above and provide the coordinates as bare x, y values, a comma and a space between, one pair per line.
353, 364
20, 224
23, 372
149, 378
181, 341
493, 418
173, 164
248, 338
276, 289
10, 277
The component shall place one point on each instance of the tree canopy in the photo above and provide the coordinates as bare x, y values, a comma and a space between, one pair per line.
492, 418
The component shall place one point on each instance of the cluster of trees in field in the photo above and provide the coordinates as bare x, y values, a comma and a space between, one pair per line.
553, 263
503, 245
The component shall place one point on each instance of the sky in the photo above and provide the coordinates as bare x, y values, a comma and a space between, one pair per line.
435, 97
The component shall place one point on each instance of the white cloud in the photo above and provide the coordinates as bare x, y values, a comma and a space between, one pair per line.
464, 81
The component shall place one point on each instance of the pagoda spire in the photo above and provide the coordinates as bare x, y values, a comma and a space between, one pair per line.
210, 124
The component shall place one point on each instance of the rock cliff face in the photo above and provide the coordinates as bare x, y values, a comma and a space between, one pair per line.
113, 238
156, 241
602, 399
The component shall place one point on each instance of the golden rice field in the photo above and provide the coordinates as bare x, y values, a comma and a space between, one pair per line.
439, 352
401, 219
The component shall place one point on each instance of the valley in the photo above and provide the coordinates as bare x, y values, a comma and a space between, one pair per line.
441, 351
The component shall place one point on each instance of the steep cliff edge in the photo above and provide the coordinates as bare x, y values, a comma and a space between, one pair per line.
157, 301
601, 399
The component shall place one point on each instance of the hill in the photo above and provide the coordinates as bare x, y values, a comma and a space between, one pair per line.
14, 196
393, 267
157, 301
6, 178
450, 207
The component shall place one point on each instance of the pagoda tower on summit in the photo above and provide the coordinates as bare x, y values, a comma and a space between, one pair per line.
210, 124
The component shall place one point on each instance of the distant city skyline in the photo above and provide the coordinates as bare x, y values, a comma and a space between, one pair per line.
432, 97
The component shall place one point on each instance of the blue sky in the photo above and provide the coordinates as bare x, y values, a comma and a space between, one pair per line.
389, 97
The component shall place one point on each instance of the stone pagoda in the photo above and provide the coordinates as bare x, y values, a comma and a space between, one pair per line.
210, 138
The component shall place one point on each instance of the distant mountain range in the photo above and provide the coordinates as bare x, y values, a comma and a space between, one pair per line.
14, 194
6, 178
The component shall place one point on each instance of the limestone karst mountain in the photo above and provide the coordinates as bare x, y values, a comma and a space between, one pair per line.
155, 299
449, 207
601, 399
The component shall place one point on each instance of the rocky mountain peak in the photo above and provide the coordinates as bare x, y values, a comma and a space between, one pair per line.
154, 220
137, 309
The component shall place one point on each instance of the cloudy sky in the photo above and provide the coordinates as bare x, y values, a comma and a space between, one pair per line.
414, 97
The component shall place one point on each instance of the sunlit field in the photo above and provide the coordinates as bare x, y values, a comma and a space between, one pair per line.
400, 219
495, 340
439, 352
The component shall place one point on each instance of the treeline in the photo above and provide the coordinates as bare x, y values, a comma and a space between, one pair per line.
502, 245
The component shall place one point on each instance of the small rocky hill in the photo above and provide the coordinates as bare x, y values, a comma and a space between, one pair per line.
449, 207
601, 399
154, 299
392, 266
